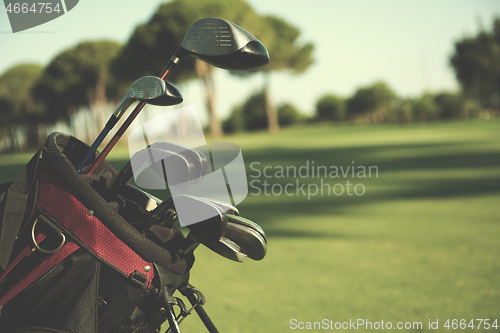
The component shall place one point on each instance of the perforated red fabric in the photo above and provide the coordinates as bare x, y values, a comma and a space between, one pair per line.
56, 199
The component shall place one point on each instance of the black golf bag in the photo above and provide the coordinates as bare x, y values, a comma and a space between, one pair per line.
74, 260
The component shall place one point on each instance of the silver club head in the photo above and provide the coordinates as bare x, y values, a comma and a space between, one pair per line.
207, 221
228, 208
198, 159
152, 90
228, 249
145, 88
252, 243
247, 223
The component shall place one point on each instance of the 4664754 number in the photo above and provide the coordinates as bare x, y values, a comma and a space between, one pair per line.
473, 323
37, 8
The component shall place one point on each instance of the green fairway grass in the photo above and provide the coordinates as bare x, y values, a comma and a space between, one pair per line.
422, 243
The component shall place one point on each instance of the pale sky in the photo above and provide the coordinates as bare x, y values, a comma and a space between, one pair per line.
405, 43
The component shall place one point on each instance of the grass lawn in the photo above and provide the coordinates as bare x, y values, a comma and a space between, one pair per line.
422, 242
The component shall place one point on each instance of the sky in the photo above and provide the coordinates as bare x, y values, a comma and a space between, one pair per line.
404, 43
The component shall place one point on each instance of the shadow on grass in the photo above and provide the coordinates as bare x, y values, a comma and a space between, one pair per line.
407, 186
388, 158
374, 155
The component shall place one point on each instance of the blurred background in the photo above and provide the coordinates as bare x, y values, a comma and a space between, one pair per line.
412, 88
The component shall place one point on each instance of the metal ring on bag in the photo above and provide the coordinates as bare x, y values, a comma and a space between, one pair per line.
37, 247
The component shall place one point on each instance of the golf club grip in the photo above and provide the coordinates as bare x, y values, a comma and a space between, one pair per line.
200, 311
123, 128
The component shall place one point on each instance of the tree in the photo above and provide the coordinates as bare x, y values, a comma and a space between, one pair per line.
402, 111
288, 114
250, 115
152, 44
425, 108
235, 122
330, 107
374, 100
476, 61
76, 77
254, 111
16, 101
287, 53
15, 94
450, 105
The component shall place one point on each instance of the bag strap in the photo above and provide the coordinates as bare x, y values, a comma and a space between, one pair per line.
57, 200
38, 271
19, 208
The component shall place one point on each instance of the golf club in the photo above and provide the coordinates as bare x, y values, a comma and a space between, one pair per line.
195, 156
139, 197
149, 89
241, 238
216, 41
165, 213
206, 220
247, 223
223, 247
244, 235
159, 160
228, 208
250, 242
228, 249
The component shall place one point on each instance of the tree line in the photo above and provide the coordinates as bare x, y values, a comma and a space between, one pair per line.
374, 103
94, 74
475, 61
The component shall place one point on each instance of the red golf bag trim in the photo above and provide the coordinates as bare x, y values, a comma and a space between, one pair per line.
24, 253
40, 270
57, 200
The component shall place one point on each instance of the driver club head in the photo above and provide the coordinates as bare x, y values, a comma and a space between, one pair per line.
152, 90
223, 44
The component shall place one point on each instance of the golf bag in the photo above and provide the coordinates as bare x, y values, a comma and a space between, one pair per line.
72, 259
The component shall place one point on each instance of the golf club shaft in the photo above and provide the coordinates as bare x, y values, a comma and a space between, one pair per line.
92, 149
125, 125
120, 110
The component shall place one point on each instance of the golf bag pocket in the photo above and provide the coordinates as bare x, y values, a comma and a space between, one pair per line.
69, 262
